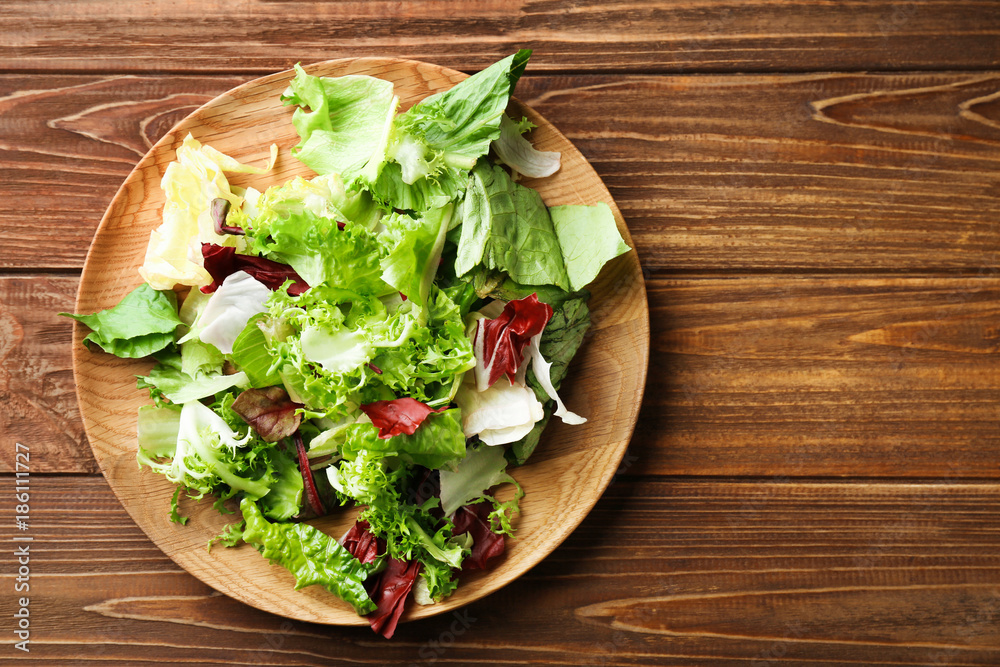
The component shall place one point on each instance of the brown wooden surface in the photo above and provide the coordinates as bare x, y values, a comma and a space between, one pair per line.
689, 35
812, 189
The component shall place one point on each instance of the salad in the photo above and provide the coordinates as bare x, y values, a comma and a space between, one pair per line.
390, 334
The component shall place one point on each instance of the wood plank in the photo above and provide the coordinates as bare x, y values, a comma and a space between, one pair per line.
749, 375
696, 35
37, 391
662, 572
785, 172
828, 375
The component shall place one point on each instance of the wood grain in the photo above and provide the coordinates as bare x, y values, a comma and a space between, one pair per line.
37, 392
562, 481
784, 172
826, 375
749, 375
66, 145
662, 572
693, 35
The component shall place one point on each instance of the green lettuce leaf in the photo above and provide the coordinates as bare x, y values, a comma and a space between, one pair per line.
391, 192
336, 350
412, 250
284, 499
348, 128
519, 451
416, 161
506, 226
455, 127
199, 358
157, 430
310, 555
438, 441
315, 246
482, 468
167, 379
251, 354
141, 324
589, 238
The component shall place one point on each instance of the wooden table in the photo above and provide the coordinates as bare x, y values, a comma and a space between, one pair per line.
814, 195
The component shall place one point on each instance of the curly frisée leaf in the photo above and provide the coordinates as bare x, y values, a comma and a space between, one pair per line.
206, 455
438, 442
411, 532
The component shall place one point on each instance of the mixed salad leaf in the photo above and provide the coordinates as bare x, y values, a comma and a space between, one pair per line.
390, 334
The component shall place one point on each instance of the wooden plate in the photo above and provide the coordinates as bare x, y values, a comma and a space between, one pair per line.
565, 477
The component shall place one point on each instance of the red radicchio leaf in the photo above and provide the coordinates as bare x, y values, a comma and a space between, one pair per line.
269, 411
222, 261
499, 343
389, 594
362, 544
474, 519
312, 494
400, 415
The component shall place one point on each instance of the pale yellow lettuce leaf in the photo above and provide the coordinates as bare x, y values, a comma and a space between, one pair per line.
190, 183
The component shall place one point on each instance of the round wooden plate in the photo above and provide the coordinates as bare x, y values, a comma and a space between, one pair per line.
563, 479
